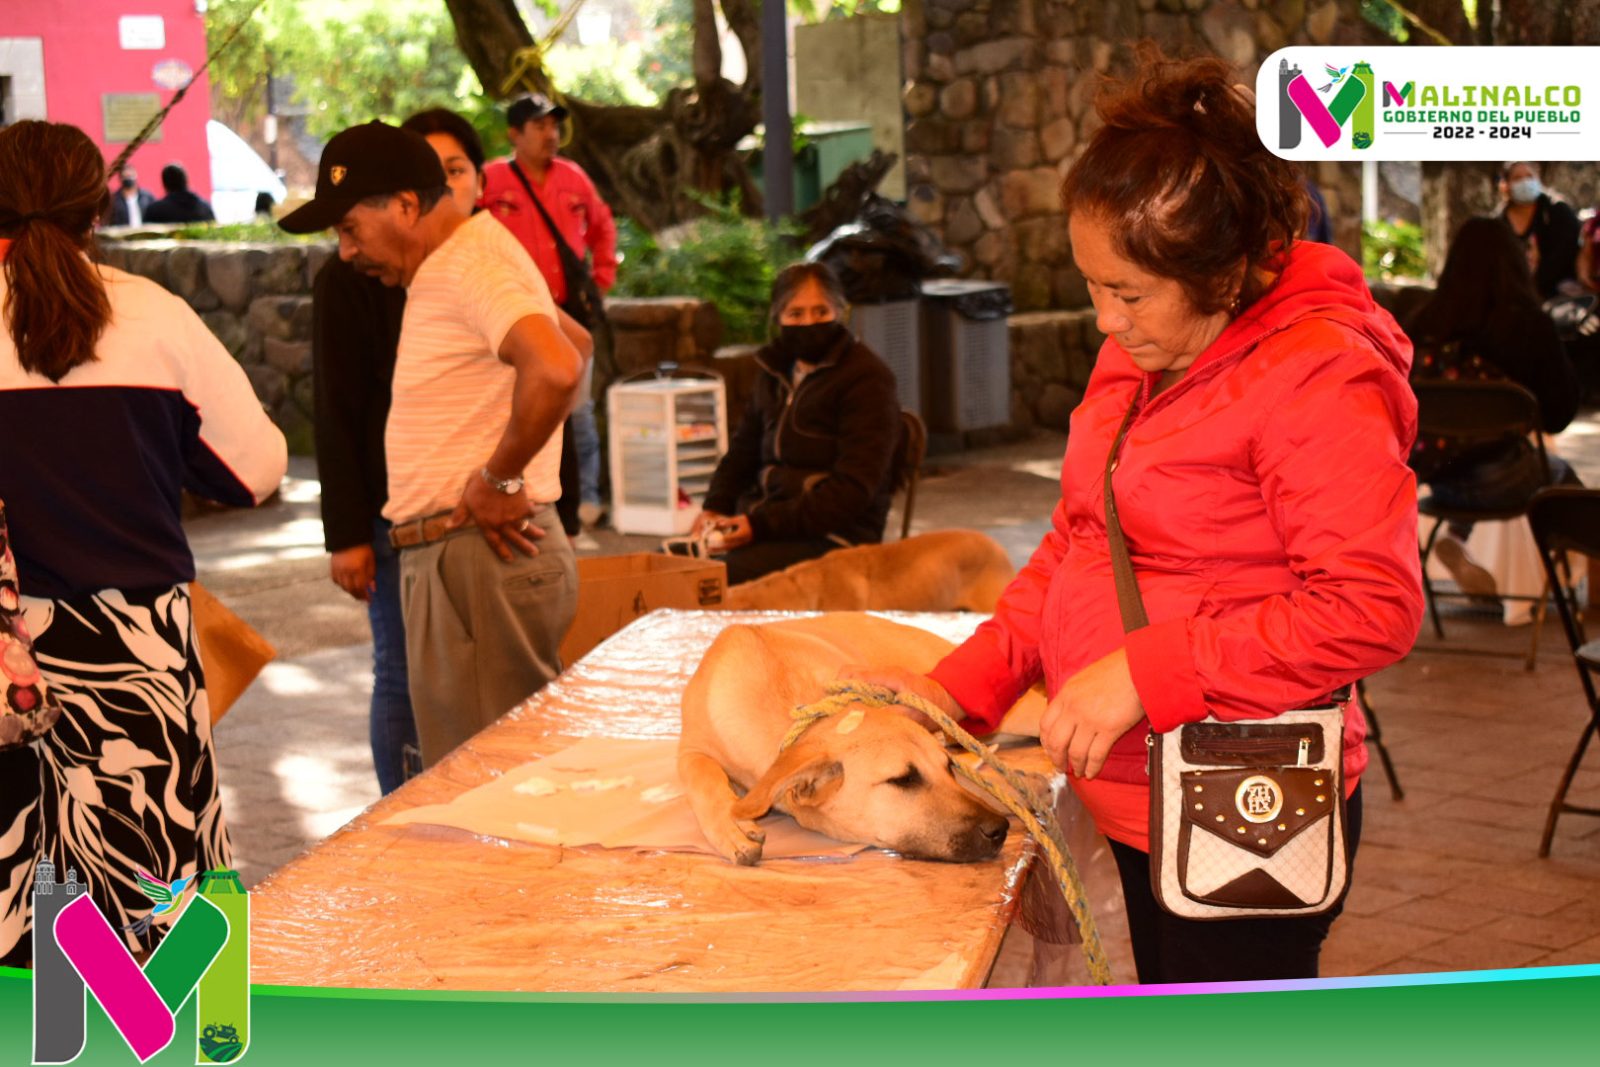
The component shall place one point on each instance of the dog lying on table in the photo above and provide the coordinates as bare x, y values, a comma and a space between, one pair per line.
868, 774
948, 570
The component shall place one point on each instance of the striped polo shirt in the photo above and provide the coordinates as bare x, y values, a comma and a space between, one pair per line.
452, 393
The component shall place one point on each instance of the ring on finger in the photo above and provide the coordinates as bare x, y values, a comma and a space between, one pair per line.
524, 524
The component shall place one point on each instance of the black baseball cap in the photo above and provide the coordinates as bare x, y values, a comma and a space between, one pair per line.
368, 160
525, 109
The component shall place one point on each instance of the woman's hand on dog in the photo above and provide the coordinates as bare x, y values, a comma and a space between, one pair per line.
1089, 713
901, 680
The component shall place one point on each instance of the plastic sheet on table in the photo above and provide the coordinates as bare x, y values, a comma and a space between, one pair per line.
605, 791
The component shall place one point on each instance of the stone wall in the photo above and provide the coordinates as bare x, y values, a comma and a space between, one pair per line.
1052, 353
999, 99
256, 299
648, 331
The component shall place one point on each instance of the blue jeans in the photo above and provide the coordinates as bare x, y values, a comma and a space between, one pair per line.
587, 438
392, 725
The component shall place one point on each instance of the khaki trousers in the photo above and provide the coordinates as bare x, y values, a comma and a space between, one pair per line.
482, 635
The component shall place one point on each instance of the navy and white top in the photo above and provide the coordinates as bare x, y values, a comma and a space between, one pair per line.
91, 467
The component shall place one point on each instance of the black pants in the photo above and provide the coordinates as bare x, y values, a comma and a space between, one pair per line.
567, 506
1169, 949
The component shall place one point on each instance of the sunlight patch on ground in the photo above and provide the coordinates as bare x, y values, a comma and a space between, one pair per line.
1049, 469
315, 784
289, 680
301, 490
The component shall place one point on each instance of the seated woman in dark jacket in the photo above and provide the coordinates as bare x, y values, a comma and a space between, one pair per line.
1484, 321
810, 467
1546, 225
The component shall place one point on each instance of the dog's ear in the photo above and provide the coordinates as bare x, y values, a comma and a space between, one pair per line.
801, 780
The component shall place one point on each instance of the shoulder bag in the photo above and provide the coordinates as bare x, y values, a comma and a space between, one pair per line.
1247, 819
584, 301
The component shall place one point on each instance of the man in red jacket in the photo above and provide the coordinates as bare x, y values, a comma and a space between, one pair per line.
515, 190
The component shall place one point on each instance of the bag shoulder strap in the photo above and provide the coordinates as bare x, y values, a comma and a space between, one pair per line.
1128, 598
555, 231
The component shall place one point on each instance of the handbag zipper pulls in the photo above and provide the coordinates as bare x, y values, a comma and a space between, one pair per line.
1304, 758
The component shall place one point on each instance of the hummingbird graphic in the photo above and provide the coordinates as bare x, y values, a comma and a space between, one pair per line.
1336, 74
166, 897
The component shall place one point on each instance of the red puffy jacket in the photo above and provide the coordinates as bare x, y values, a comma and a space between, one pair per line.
1269, 512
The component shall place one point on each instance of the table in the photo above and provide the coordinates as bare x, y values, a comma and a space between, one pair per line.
425, 908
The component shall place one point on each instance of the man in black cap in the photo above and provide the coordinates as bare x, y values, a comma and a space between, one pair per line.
484, 376
179, 205
528, 192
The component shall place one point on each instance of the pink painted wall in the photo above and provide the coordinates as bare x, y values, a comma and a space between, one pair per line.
83, 58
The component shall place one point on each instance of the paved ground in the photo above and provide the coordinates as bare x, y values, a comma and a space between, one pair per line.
1447, 878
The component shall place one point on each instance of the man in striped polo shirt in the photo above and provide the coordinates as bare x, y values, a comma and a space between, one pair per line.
483, 379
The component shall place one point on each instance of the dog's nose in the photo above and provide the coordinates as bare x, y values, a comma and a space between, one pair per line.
995, 832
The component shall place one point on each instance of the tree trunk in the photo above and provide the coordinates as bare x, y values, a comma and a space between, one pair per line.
645, 160
489, 32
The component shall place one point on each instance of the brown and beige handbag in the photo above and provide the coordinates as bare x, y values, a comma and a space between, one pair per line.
1247, 819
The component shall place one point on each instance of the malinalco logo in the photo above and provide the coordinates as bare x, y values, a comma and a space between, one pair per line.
1391, 103
1346, 98
78, 954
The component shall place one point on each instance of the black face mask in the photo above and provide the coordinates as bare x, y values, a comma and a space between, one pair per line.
809, 343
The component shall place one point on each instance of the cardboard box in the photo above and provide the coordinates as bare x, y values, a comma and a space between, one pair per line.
615, 590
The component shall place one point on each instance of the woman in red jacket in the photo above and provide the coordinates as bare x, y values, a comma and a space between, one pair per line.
1262, 488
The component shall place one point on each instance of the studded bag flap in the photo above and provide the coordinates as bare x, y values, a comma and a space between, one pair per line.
1259, 809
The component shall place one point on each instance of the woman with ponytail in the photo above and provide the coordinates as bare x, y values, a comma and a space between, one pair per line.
1262, 490
114, 398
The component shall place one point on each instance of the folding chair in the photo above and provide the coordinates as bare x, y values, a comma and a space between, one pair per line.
908, 464
1471, 413
1375, 739
1567, 519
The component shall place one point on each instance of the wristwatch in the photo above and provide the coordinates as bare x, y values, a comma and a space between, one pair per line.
509, 486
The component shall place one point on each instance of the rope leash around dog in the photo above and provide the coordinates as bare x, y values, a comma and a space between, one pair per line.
1010, 790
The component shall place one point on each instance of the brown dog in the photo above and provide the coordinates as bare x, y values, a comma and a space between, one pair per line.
868, 774
949, 570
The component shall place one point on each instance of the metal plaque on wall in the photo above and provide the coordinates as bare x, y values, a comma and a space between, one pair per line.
125, 114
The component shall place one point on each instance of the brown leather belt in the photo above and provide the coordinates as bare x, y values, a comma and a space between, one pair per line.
425, 531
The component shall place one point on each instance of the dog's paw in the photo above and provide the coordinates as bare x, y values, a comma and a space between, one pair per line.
740, 842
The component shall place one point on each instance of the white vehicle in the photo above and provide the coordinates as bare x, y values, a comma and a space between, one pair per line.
238, 175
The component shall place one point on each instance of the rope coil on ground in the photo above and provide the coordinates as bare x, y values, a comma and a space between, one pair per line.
1010, 790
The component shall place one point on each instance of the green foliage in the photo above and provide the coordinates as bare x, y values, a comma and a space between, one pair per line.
821, 10
1392, 250
256, 231
606, 73
386, 64
343, 61
723, 257
670, 64
1384, 16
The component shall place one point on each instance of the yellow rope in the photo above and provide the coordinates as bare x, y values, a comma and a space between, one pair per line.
1011, 790
528, 63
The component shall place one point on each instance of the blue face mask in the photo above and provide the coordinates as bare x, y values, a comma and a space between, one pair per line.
1526, 190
